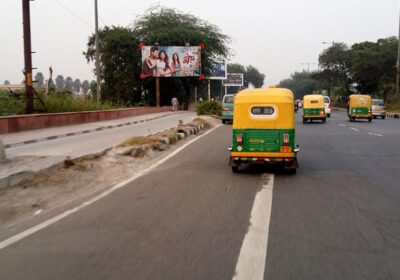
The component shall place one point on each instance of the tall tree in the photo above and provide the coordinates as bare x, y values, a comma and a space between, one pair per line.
372, 65
85, 87
39, 78
254, 77
336, 59
77, 86
69, 84
60, 83
121, 56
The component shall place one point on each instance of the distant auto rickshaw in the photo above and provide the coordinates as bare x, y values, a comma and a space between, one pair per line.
313, 108
359, 107
264, 129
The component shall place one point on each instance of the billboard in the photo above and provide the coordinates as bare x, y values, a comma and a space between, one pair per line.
217, 70
171, 61
234, 80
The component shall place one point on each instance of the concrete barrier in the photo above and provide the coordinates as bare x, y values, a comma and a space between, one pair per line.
9, 124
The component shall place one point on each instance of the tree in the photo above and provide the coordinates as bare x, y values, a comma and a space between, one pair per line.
77, 86
336, 59
7, 82
254, 77
60, 83
372, 65
120, 63
85, 87
93, 89
300, 83
69, 84
121, 56
39, 78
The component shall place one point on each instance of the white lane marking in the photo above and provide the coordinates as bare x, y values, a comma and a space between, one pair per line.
342, 125
375, 134
251, 262
356, 129
32, 230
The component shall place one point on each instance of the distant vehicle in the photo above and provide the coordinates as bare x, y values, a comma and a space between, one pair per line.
264, 129
297, 105
313, 108
378, 108
227, 108
359, 107
328, 106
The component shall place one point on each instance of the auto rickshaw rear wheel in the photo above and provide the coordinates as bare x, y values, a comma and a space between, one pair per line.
369, 119
235, 169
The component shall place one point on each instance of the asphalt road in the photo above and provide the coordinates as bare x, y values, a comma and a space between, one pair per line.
338, 218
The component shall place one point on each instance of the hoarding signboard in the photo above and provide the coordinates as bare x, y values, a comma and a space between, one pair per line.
234, 80
171, 61
217, 70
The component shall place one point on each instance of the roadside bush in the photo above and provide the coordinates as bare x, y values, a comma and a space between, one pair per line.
209, 108
11, 104
64, 102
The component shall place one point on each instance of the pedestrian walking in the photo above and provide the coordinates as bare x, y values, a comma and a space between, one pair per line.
175, 104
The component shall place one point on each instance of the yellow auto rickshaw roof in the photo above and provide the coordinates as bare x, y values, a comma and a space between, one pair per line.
281, 99
356, 98
262, 95
313, 97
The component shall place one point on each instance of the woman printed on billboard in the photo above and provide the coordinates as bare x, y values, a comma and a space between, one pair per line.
163, 69
175, 65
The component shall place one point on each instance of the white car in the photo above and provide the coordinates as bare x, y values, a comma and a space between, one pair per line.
328, 106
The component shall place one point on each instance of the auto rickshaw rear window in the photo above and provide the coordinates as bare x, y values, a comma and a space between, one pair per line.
314, 101
229, 99
262, 111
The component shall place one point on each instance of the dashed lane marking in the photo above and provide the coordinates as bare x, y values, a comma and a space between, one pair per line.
375, 134
252, 256
355, 129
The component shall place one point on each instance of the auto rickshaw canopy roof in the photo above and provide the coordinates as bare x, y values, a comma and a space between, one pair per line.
313, 101
360, 100
280, 99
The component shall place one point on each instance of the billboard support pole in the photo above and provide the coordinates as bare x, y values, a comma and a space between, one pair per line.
222, 85
195, 94
158, 92
209, 90
226, 90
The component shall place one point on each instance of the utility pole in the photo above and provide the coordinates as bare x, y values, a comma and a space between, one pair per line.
398, 62
98, 81
27, 56
308, 65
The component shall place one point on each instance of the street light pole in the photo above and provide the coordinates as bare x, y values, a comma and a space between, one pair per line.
98, 93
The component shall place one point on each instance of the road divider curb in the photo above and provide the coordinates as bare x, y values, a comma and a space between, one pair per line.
161, 141
53, 137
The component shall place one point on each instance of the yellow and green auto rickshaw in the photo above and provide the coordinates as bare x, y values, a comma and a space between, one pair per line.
313, 108
359, 107
264, 129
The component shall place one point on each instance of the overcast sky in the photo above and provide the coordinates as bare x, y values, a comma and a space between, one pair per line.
276, 36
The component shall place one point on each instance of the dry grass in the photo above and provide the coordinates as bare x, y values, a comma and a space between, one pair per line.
139, 140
